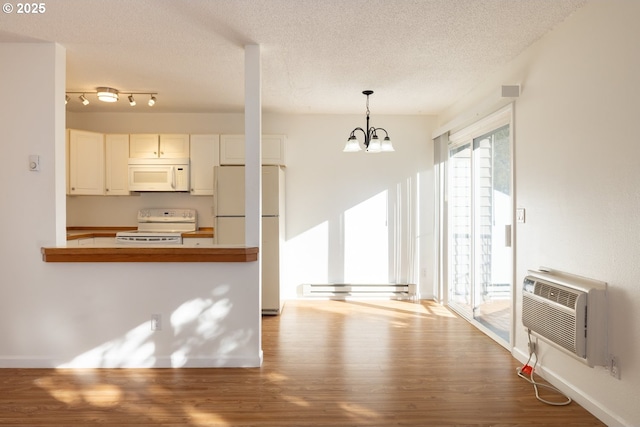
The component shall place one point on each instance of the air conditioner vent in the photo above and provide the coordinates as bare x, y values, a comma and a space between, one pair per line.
554, 293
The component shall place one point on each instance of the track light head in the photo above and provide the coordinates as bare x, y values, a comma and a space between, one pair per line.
152, 101
83, 99
132, 101
66, 99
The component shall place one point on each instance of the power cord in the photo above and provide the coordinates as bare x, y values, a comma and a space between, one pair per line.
527, 369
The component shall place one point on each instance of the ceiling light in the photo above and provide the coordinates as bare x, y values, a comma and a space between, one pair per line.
371, 141
107, 94
110, 95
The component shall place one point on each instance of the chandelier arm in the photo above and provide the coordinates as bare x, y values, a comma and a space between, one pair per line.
382, 129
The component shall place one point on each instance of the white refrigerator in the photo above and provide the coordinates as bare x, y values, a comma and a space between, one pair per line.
228, 205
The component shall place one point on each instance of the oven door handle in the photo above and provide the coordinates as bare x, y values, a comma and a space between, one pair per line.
173, 177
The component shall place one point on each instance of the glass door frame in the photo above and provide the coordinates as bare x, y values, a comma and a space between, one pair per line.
492, 122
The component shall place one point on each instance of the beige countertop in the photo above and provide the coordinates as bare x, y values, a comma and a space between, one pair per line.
74, 233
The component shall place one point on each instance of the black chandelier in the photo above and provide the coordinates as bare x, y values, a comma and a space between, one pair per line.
372, 143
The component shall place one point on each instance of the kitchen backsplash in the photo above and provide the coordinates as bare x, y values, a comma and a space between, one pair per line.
107, 211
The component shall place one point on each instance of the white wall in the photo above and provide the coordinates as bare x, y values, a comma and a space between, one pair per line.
577, 175
95, 314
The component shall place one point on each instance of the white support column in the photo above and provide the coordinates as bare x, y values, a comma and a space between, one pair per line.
253, 175
253, 132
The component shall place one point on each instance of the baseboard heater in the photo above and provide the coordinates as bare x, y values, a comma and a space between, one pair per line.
350, 290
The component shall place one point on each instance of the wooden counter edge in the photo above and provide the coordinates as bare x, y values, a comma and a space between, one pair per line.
137, 254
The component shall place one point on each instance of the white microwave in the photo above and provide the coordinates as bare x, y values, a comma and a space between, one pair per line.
158, 174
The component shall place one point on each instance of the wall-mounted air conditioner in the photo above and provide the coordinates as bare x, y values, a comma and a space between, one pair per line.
567, 311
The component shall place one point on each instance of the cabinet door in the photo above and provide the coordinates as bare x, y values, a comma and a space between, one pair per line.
143, 146
116, 165
86, 163
175, 146
273, 149
204, 155
232, 150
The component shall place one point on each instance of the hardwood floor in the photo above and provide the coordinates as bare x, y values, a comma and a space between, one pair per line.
327, 363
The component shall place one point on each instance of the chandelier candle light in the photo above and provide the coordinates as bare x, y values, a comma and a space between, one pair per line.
372, 143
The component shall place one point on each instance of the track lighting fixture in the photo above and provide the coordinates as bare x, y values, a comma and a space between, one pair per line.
372, 143
110, 95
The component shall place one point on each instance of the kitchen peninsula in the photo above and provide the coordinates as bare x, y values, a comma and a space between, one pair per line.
112, 252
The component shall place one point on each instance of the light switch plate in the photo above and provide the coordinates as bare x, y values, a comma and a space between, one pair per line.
520, 215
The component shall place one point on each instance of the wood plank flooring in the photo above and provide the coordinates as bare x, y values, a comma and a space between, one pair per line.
327, 363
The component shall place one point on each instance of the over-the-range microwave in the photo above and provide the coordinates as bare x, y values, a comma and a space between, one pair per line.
158, 174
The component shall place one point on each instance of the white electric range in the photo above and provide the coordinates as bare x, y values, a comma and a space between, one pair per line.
160, 226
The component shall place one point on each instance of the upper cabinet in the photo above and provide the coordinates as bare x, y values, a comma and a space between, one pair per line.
151, 146
232, 150
86, 163
204, 156
116, 150
97, 163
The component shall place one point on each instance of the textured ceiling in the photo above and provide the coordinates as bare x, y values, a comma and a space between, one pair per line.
419, 56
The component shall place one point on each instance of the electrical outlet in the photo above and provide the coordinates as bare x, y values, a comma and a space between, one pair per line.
156, 322
614, 368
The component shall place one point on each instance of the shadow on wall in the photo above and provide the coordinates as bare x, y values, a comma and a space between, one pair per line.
197, 339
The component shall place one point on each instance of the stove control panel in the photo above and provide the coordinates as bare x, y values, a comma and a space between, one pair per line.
167, 215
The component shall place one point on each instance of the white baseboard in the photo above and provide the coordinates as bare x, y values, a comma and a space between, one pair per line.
161, 362
583, 399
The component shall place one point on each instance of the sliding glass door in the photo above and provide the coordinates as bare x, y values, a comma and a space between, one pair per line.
480, 261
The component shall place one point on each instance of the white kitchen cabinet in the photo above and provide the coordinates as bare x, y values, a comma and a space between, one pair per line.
204, 155
174, 146
232, 150
143, 146
116, 165
86, 163
152, 146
